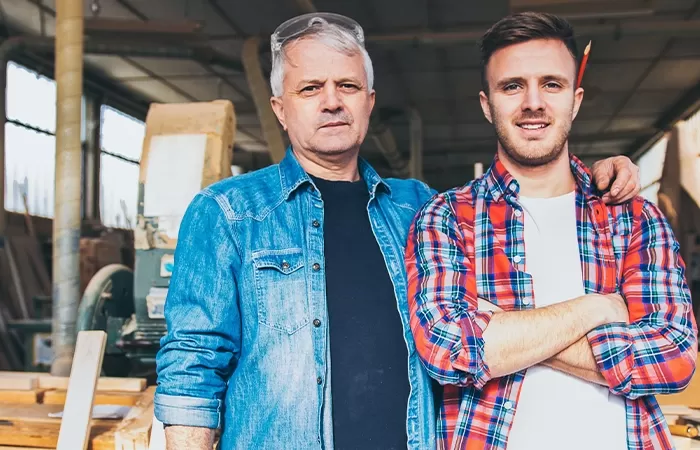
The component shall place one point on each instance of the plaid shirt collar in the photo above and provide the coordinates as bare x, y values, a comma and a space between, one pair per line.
500, 183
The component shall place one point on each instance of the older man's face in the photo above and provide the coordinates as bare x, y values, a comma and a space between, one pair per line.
326, 105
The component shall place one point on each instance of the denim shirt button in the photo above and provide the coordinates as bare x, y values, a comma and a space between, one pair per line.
316, 267
285, 265
319, 380
316, 224
317, 323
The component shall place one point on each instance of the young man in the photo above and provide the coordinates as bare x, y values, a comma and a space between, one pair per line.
550, 318
287, 316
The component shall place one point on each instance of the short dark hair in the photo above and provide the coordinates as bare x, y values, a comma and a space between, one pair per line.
523, 27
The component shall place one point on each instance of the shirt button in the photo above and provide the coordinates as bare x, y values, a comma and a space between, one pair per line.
285, 265
526, 301
317, 323
516, 259
316, 224
518, 213
319, 380
316, 267
508, 405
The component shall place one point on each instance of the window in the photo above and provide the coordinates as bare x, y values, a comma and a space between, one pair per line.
122, 140
30, 141
651, 165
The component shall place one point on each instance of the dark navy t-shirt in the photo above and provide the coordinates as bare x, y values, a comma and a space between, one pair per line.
369, 368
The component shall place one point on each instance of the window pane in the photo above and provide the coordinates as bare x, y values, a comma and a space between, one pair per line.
651, 193
651, 164
118, 182
121, 133
30, 167
31, 98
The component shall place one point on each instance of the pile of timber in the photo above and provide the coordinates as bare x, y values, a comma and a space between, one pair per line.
23, 276
27, 399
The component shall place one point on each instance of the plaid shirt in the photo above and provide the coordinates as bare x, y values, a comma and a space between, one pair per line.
469, 242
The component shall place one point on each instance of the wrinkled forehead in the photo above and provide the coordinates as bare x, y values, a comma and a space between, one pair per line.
309, 58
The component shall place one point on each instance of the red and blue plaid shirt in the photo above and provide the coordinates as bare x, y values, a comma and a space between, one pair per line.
468, 243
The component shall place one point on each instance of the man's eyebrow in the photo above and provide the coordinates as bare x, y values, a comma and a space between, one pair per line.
558, 78
310, 81
506, 81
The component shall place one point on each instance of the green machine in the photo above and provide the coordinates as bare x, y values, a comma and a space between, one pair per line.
186, 148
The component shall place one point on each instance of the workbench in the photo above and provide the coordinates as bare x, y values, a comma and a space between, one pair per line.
25, 407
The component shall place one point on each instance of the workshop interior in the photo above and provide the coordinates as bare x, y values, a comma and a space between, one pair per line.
117, 112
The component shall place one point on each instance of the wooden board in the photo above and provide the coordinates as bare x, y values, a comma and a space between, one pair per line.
87, 360
103, 383
133, 433
216, 121
58, 397
24, 396
31, 426
18, 383
41, 380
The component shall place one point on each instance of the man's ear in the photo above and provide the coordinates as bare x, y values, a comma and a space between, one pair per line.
484, 100
278, 108
578, 99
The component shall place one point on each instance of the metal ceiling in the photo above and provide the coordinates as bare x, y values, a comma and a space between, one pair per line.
643, 73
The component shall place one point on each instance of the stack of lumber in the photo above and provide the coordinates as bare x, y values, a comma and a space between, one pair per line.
27, 399
23, 275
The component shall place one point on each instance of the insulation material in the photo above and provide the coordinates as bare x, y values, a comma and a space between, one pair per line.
187, 147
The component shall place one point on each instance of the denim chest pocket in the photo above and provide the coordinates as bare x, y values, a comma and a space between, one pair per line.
280, 287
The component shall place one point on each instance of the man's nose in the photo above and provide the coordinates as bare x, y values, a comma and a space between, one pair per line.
534, 101
331, 99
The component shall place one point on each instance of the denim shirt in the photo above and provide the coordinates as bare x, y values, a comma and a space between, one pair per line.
247, 347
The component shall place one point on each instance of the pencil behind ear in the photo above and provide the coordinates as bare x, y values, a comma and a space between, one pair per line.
582, 67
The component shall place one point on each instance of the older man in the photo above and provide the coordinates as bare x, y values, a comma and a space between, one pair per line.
287, 318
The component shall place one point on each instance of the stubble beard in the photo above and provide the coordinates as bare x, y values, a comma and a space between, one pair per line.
537, 154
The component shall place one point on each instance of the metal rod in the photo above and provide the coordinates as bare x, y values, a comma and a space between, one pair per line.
67, 202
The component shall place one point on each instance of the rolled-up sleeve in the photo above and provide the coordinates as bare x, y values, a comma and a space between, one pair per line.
447, 328
656, 352
202, 344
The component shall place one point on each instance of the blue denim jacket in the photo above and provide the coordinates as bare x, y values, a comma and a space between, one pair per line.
243, 349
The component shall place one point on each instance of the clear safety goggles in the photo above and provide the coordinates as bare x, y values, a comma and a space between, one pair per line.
300, 25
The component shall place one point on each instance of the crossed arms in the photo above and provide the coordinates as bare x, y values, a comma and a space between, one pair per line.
464, 342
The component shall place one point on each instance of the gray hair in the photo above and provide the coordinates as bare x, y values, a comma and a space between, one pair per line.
331, 35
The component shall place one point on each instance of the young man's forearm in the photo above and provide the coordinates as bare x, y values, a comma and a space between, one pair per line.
577, 360
516, 340
190, 438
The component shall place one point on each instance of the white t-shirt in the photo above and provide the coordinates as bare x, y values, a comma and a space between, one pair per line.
557, 411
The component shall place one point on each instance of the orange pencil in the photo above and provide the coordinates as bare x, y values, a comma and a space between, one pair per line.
584, 61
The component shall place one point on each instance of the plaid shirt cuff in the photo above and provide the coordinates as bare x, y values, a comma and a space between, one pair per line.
612, 346
470, 357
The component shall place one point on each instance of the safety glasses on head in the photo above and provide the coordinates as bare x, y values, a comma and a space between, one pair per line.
299, 25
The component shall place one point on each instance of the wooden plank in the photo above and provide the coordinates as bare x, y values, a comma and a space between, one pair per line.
58, 397
15, 383
103, 383
87, 362
5, 447
31, 426
24, 396
133, 433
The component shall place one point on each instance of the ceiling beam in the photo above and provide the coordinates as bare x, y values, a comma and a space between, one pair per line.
614, 30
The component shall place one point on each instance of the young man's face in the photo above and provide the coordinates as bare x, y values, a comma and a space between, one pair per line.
326, 104
532, 100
